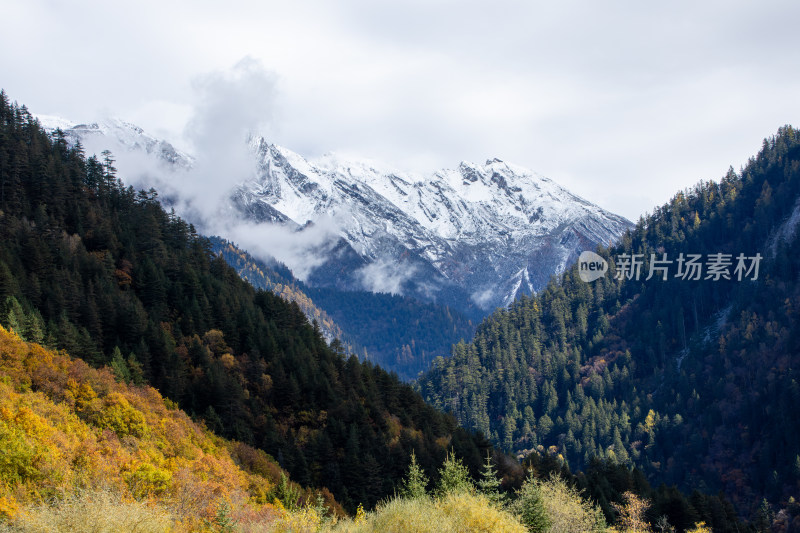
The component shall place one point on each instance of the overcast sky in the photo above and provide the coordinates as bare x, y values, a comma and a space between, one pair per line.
623, 102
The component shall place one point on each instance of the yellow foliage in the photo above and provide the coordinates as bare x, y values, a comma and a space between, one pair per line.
227, 360
8, 507
304, 520
475, 513
82, 394
451, 514
361, 515
699, 527
215, 340
148, 480
114, 412
95, 446
650, 421
16, 455
631, 515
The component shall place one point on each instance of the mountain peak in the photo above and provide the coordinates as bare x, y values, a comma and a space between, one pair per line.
117, 135
465, 236
476, 227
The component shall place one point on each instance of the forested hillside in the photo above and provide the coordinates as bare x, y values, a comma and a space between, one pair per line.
401, 334
279, 280
695, 381
105, 273
82, 450
67, 430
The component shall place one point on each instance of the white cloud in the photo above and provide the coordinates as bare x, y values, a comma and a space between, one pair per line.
386, 275
624, 102
231, 105
482, 297
302, 251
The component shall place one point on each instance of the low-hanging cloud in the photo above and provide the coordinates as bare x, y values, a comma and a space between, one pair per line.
233, 106
386, 275
483, 297
230, 107
301, 250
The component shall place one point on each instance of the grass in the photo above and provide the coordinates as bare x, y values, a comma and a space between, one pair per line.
100, 511
451, 514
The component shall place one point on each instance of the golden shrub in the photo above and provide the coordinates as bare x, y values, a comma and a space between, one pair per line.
566, 510
92, 512
452, 513
85, 441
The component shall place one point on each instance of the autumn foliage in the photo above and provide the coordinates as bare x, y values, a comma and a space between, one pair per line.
66, 429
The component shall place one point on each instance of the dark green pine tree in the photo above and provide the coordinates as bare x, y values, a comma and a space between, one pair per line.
453, 477
530, 507
489, 484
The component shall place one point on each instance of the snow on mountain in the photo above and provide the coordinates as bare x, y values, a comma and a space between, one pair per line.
474, 237
494, 230
121, 135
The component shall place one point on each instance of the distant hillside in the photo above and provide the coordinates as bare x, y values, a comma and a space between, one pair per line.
281, 283
400, 334
695, 381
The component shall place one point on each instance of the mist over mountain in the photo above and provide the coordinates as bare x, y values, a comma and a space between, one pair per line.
399, 333
473, 238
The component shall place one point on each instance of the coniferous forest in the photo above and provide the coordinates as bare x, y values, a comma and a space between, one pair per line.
628, 405
694, 382
105, 273
401, 334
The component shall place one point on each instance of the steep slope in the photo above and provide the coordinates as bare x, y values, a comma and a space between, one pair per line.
489, 231
66, 428
694, 381
282, 283
472, 238
95, 268
398, 333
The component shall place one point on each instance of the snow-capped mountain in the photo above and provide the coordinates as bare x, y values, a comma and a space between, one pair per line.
493, 230
473, 237
115, 134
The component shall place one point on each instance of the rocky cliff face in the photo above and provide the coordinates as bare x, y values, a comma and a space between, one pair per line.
482, 233
473, 237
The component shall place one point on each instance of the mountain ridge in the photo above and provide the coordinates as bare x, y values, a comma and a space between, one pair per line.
476, 227
692, 381
474, 237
